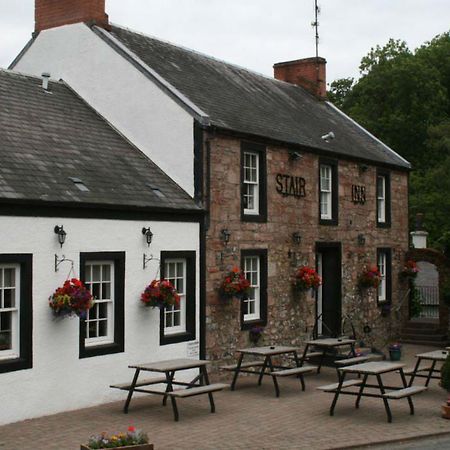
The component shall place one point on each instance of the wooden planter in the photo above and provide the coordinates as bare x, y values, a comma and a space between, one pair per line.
128, 447
445, 411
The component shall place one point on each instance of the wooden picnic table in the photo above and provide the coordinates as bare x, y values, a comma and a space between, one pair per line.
327, 344
198, 386
266, 365
428, 372
386, 393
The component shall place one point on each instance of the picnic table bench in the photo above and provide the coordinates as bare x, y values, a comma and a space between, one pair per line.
429, 372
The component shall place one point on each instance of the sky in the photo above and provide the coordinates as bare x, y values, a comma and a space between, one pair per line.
258, 33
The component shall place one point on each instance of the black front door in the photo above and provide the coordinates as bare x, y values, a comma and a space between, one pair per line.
329, 300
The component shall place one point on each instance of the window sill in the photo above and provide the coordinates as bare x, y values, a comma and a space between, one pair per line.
383, 225
248, 325
90, 351
253, 218
328, 222
168, 339
14, 364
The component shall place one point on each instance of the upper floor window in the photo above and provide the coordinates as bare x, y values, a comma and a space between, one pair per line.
177, 323
102, 332
254, 305
15, 312
384, 267
253, 182
328, 192
383, 199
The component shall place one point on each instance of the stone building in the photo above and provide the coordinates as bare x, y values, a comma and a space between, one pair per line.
286, 179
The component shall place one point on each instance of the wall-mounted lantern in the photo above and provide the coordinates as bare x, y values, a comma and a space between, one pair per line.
225, 236
296, 237
148, 235
361, 240
295, 156
59, 230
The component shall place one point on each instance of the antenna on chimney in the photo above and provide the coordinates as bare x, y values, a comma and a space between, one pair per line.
315, 24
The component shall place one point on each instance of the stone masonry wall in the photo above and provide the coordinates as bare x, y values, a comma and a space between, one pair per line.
290, 317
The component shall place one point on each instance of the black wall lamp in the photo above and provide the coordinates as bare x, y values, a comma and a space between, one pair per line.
59, 230
296, 237
225, 235
148, 238
361, 240
295, 156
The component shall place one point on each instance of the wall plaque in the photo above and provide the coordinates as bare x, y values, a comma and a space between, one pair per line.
288, 185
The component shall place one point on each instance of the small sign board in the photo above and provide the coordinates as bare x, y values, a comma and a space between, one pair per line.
193, 349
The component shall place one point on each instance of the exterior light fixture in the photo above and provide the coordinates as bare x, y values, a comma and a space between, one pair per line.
296, 237
295, 156
148, 235
361, 239
363, 168
225, 234
59, 230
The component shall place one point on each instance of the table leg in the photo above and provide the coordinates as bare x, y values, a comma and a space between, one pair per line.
416, 368
321, 359
204, 372
352, 349
385, 400
169, 378
430, 373
361, 390
236, 373
261, 373
131, 390
164, 402
298, 364
275, 382
405, 384
341, 376
304, 355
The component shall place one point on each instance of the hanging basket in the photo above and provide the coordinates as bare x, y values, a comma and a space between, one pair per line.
306, 278
369, 278
72, 299
160, 294
234, 285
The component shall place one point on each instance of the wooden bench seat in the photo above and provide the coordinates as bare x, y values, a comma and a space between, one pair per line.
293, 371
410, 371
244, 365
345, 384
191, 392
406, 392
148, 382
351, 361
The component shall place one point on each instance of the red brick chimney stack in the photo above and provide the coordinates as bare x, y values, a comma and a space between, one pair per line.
56, 13
310, 73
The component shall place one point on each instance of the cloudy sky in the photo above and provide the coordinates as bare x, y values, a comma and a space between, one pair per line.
257, 33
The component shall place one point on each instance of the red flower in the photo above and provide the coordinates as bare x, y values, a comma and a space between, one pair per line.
131, 429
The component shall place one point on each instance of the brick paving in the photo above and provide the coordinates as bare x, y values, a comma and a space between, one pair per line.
249, 418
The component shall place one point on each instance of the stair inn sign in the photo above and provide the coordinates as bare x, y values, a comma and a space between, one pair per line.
288, 185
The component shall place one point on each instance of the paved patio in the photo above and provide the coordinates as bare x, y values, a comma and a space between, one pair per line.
249, 418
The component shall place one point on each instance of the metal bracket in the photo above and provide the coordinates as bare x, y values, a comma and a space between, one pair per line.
59, 261
146, 260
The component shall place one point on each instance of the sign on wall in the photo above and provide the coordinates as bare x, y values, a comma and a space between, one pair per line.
288, 185
358, 194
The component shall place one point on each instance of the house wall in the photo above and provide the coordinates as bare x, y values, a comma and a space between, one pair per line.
291, 317
133, 104
58, 374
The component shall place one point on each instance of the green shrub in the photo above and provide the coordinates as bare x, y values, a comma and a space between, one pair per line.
416, 305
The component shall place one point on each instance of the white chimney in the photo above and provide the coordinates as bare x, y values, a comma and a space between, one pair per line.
45, 78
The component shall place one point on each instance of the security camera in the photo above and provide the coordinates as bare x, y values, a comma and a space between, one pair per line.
328, 137
295, 156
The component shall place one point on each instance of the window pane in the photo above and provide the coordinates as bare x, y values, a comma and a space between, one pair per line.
106, 275
92, 329
95, 290
9, 279
93, 312
103, 310
106, 291
177, 319
103, 328
9, 298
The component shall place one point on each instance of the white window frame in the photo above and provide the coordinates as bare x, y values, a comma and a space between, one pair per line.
382, 267
182, 310
109, 338
255, 287
14, 352
326, 194
251, 186
381, 199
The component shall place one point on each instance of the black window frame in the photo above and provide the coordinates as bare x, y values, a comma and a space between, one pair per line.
25, 359
191, 289
263, 266
388, 252
387, 176
334, 164
261, 150
118, 346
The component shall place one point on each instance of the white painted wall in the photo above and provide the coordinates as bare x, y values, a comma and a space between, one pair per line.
138, 108
59, 380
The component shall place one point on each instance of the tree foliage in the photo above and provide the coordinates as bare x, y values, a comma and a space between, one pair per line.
403, 98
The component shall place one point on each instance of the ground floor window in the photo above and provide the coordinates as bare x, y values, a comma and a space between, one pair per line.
15, 312
384, 267
178, 322
102, 332
254, 305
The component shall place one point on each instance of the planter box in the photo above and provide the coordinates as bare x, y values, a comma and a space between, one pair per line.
446, 411
128, 447
395, 354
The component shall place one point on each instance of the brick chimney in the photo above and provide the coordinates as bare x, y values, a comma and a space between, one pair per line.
56, 13
309, 73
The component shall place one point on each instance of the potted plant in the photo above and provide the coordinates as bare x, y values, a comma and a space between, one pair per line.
73, 298
234, 285
369, 278
133, 439
160, 294
306, 278
385, 309
395, 352
445, 383
255, 334
409, 271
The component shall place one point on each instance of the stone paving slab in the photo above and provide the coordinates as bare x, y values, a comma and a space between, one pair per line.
249, 418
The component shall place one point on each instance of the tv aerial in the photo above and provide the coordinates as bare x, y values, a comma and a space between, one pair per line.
316, 25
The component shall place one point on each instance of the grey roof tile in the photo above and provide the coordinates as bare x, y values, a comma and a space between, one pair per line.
243, 101
48, 138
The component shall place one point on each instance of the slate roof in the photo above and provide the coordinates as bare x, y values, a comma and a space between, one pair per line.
48, 140
243, 101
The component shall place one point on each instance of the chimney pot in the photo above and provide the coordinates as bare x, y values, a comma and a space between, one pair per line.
45, 79
309, 73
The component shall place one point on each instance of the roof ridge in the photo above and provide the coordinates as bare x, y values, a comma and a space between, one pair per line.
27, 75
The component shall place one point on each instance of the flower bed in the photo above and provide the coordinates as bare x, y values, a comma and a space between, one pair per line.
235, 285
132, 439
306, 278
73, 298
160, 294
